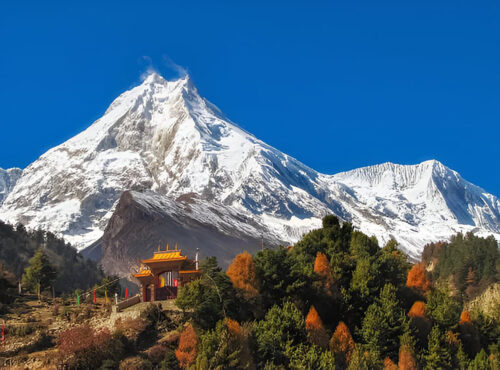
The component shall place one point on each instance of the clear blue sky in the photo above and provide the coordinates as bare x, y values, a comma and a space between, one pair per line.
337, 84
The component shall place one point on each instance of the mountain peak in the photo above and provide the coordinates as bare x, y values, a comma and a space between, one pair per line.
153, 78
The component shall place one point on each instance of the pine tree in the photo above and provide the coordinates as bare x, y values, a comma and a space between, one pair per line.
324, 271
481, 362
342, 345
281, 327
389, 365
465, 318
186, 351
39, 275
383, 324
407, 350
406, 359
222, 347
419, 309
437, 355
359, 360
462, 358
243, 276
316, 332
471, 278
417, 278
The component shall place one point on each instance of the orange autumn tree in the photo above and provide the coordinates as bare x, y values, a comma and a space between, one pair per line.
186, 352
389, 365
342, 344
323, 269
233, 327
465, 318
419, 309
417, 278
406, 359
315, 329
243, 276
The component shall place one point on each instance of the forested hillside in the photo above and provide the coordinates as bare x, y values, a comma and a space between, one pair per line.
17, 246
335, 299
467, 262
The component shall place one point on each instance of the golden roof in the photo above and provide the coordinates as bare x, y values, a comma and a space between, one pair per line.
190, 272
162, 256
142, 273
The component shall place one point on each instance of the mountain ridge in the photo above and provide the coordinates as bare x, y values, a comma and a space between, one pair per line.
163, 137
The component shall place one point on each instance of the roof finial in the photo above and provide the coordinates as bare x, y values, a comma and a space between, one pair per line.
167, 247
159, 248
175, 246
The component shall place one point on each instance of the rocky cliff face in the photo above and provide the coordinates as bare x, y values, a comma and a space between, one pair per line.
143, 221
162, 137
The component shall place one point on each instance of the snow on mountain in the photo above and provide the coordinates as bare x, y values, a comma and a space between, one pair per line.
417, 204
8, 179
162, 136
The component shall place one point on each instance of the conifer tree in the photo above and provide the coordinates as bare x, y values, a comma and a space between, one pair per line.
471, 278
406, 359
282, 326
481, 361
407, 344
383, 324
417, 279
223, 347
462, 358
316, 332
419, 309
324, 271
39, 275
465, 318
243, 276
342, 345
359, 360
186, 351
437, 355
389, 365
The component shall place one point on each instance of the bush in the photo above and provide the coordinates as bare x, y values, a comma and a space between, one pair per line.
21, 330
170, 362
136, 363
84, 347
131, 327
156, 353
154, 315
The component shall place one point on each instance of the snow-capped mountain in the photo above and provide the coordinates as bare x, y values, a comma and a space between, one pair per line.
162, 136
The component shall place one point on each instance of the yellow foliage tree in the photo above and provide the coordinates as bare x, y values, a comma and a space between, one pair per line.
465, 318
389, 365
315, 330
342, 344
186, 352
419, 309
417, 278
406, 359
323, 269
243, 276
